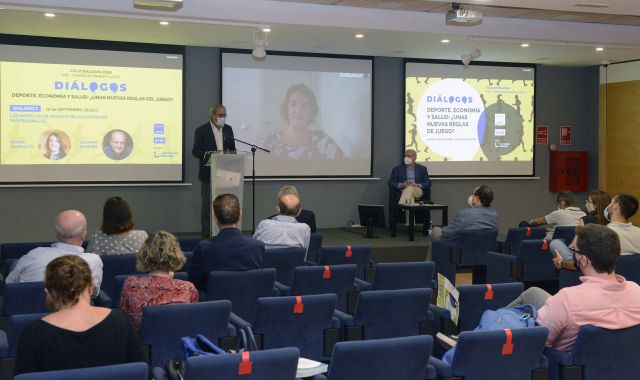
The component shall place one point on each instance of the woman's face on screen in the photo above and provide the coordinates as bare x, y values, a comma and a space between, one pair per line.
299, 110
54, 143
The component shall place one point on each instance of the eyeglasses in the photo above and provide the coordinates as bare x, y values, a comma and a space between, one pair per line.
574, 251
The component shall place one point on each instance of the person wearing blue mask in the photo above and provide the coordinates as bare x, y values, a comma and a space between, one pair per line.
214, 135
409, 180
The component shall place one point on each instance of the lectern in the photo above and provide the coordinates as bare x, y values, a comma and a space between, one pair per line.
227, 177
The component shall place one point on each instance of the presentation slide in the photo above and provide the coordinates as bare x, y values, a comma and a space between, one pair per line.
470, 121
312, 112
78, 115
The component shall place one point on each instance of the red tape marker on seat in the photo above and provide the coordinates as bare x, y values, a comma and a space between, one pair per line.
507, 347
298, 308
545, 245
245, 367
488, 295
528, 233
349, 253
327, 272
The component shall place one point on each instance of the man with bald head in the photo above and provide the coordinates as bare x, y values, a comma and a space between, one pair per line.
283, 230
70, 231
118, 147
409, 180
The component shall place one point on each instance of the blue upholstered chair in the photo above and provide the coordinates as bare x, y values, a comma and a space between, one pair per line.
113, 265
628, 266
348, 254
476, 299
516, 235
284, 260
315, 244
22, 298
407, 275
10, 252
468, 251
569, 277
164, 325
129, 371
241, 288
113, 300
336, 279
9, 341
383, 314
534, 262
564, 232
187, 264
381, 359
598, 354
306, 322
497, 354
189, 243
275, 364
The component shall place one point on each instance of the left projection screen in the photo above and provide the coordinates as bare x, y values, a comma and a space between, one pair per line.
81, 115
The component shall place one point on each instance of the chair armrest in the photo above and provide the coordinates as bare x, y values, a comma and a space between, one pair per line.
238, 322
282, 288
499, 267
275, 291
335, 322
310, 263
432, 374
159, 374
343, 318
362, 285
4, 345
442, 369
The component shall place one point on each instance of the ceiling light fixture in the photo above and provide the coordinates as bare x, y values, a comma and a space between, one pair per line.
259, 44
266, 29
50, 14
445, 41
599, 48
164, 23
359, 35
524, 45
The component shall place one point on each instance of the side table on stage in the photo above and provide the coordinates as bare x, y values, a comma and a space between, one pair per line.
416, 207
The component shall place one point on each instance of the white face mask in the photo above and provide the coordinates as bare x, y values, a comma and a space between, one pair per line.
220, 122
606, 213
470, 201
407, 160
590, 207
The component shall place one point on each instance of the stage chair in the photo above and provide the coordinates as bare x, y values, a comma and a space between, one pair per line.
284, 260
497, 354
113, 300
22, 298
516, 235
564, 232
129, 371
383, 314
9, 341
381, 359
335, 279
407, 275
468, 251
348, 254
305, 322
476, 299
189, 243
315, 245
533, 263
598, 354
275, 364
241, 288
164, 325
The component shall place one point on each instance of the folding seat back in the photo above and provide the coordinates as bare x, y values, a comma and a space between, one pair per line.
534, 262
564, 232
113, 265
516, 235
315, 245
335, 279
241, 288
348, 254
476, 299
129, 371
469, 250
409, 275
15, 325
15, 251
284, 260
628, 266
188, 243
24, 298
164, 325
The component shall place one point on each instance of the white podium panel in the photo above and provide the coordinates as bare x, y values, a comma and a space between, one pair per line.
227, 177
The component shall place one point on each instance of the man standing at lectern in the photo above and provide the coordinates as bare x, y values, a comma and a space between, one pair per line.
213, 136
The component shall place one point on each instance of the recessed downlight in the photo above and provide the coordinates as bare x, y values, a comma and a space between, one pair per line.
49, 14
359, 35
524, 45
445, 41
164, 23
599, 48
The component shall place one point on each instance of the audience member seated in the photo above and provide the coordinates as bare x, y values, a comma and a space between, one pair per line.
116, 236
596, 203
604, 299
230, 250
479, 216
409, 179
76, 334
567, 214
160, 256
284, 230
305, 216
70, 230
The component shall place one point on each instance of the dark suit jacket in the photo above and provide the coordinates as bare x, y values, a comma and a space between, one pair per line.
399, 175
204, 142
230, 250
307, 217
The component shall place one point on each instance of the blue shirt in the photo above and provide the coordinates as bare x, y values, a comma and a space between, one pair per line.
283, 231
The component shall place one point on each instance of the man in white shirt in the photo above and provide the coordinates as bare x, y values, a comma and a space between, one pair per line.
283, 230
567, 214
620, 210
71, 230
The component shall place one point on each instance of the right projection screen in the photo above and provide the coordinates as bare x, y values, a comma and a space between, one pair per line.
470, 121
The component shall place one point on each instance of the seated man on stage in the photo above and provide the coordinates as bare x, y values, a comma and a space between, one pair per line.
410, 179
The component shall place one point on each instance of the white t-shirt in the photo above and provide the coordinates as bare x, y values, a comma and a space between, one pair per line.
629, 237
568, 216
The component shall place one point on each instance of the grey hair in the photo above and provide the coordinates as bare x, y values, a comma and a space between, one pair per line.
286, 190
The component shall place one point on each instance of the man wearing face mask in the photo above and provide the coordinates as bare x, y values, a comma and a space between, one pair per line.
604, 299
567, 214
479, 216
410, 179
213, 136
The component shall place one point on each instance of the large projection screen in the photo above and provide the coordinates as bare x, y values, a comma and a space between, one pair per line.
77, 115
312, 112
470, 121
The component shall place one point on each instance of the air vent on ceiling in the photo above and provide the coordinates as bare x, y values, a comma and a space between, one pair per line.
158, 5
592, 5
